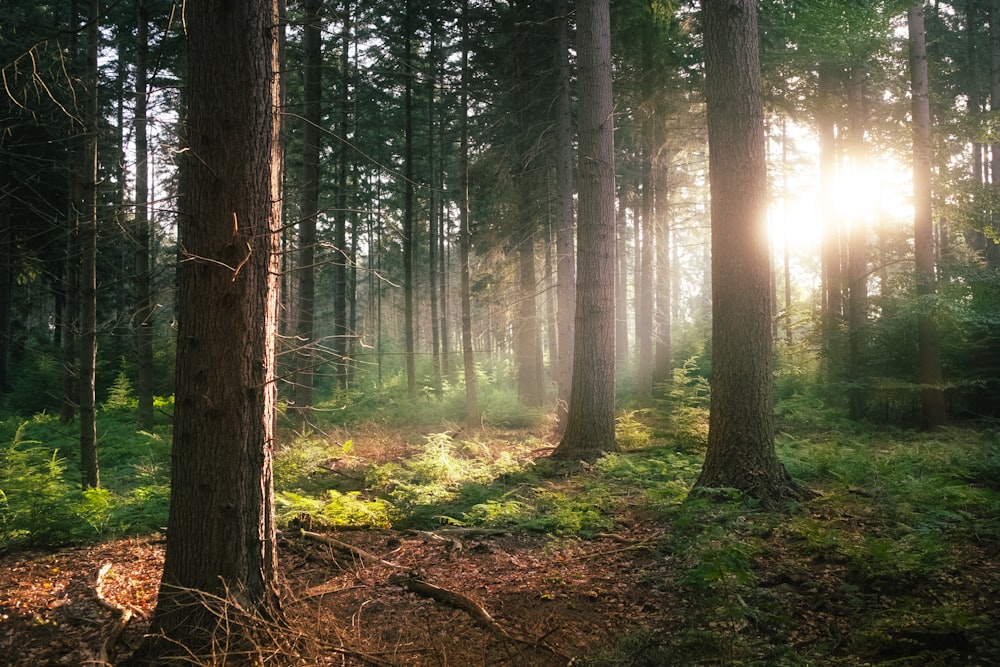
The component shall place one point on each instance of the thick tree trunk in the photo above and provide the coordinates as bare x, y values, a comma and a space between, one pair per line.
219, 574
590, 427
312, 94
929, 353
741, 450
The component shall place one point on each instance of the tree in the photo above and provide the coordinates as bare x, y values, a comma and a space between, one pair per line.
565, 220
590, 424
741, 450
928, 345
143, 297
221, 543
88, 266
465, 231
305, 347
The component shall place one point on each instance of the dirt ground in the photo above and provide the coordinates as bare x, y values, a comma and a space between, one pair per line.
549, 600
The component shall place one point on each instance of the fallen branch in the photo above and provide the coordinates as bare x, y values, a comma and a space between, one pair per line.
360, 554
452, 599
122, 617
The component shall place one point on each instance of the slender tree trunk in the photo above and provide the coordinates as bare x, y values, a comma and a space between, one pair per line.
663, 311
566, 221
343, 327
88, 268
832, 281
465, 232
6, 271
741, 451
408, 228
590, 427
529, 374
432, 211
71, 280
857, 259
972, 83
621, 273
143, 295
929, 353
219, 573
646, 242
312, 95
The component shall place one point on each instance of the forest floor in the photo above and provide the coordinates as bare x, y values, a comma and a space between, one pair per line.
625, 597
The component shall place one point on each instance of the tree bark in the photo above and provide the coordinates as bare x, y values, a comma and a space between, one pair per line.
343, 326
409, 325
928, 345
465, 232
312, 94
741, 450
590, 427
857, 259
566, 221
143, 255
220, 564
88, 267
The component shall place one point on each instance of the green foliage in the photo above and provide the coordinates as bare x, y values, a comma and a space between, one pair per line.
684, 408
121, 395
35, 499
630, 433
40, 498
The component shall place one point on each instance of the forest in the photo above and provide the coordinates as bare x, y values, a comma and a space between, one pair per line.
631, 333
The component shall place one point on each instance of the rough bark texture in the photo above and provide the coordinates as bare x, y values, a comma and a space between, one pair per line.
741, 424
929, 349
590, 427
220, 552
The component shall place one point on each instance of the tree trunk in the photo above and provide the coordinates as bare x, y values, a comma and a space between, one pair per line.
590, 426
88, 268
432, 210
857, 260
929, 353
741, 450
219, 574
408, 229
621, 273
343, 328
529, 374
465, 232
662, 361
566, 222
143, 256
312, 94
832, 279
646, 242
